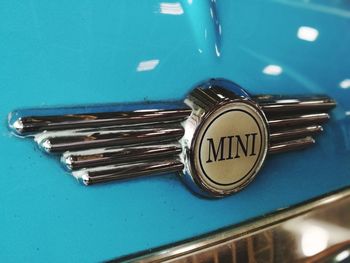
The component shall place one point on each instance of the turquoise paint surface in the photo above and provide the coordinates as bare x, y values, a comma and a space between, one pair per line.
76, 52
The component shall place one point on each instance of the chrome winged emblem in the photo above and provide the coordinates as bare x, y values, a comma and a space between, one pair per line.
217, 139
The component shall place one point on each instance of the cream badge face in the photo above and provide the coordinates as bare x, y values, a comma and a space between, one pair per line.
230, 147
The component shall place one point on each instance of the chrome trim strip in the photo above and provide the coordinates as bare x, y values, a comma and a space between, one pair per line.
118, 155
79, 140
298, 120
295, 133
187, 249
291, 145
33, 124
24, 125
276, 104
127, 171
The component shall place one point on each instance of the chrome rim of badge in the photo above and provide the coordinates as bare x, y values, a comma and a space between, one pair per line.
217, 139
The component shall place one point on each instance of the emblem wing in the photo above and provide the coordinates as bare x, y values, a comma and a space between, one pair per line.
294, 121
111, 145
100, 143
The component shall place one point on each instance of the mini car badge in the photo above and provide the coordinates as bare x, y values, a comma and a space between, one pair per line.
217, 139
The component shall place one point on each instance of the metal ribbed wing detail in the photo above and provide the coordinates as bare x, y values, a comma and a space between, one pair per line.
115, 145
294, 121
100, 147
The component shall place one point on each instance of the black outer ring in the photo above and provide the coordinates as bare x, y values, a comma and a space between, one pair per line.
200, 147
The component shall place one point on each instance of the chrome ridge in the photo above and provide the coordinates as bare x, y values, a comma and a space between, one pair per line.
127, 171
106, 156
101, 144
27, 125
74, 140
316, 231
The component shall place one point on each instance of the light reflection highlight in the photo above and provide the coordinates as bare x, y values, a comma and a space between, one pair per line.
217, 51
307, 33
273, 70
314, 240
345, 84
342, 255
287, 101
171, 8
147, 65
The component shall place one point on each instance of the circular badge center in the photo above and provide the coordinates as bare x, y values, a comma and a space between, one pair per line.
231, 146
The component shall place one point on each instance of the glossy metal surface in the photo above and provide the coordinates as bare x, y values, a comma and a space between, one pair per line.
139, 137
127, 171
77, 140
80, 52
291, 145
318, 231
297, 120
294, 121
295, 133
25, 125
114, 155
277, 104
213, 98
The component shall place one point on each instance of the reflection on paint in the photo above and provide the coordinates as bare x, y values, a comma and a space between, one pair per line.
218, 30
171, 8
345, 84
217, 51
273, 70
147, 65
307, 33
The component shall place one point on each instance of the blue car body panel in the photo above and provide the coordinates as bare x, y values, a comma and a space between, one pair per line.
76, 52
